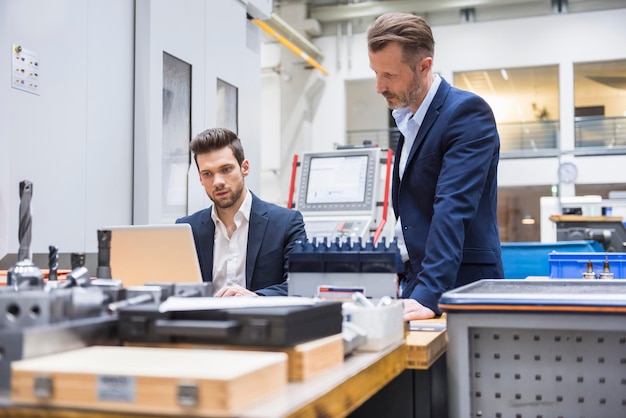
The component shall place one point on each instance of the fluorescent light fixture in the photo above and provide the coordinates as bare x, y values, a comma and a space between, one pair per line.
505, 75
285, 29
289, 45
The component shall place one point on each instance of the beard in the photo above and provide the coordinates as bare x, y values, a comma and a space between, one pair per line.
406, 98
229, 199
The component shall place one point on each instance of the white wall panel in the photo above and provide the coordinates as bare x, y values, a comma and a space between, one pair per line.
7, 193
213, 37
177, 28
63, 139
90, 141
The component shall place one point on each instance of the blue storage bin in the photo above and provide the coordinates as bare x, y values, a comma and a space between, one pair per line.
573, 265
523, 259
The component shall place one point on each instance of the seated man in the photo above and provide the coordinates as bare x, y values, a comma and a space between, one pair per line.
243, 242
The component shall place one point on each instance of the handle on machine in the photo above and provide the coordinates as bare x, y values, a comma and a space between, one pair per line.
192, 328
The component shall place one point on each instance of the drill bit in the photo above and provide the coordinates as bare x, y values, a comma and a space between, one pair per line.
25, 225
24, 274
53, 262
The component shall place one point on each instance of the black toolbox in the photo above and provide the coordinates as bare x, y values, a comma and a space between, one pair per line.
272, 326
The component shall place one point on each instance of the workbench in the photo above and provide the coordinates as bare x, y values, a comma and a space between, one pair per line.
366, 384
420, 391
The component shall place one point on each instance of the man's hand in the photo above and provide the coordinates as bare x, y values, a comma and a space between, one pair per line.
415, 310
234, 290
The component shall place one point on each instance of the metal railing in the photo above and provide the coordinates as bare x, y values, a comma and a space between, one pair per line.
607, 133
593, 136
529, 139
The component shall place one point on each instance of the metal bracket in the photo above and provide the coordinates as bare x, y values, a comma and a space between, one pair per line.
42, 387
187, 394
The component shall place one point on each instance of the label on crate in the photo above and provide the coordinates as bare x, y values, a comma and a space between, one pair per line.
338, 292
116, 388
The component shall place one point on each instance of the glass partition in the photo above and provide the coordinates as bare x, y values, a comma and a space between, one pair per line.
600, 104
525, 103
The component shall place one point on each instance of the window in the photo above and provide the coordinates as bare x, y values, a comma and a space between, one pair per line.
226, 106
600, 104
176, 136
525, 103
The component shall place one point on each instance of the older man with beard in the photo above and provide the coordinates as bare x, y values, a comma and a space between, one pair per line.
444, 189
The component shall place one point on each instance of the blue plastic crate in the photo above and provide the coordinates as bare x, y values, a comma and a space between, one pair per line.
573, 265
523, 259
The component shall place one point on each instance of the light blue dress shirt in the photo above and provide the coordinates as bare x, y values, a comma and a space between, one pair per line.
409, 125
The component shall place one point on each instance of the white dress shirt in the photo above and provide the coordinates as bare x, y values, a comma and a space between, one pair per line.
229, 254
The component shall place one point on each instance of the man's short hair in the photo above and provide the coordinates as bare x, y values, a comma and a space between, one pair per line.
215, 139
410, 31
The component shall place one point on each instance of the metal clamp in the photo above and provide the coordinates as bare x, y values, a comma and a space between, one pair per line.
187, 394
42, 387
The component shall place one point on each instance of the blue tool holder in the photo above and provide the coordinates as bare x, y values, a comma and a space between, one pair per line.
344, 256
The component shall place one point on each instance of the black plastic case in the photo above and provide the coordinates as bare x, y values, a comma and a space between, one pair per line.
280, 326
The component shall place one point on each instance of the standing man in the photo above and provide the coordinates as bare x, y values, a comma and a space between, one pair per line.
243, 242
444, 189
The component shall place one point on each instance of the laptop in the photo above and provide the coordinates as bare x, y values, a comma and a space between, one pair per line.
143, 254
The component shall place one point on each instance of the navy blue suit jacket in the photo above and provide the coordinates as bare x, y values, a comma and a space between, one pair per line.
447, 198
272, 235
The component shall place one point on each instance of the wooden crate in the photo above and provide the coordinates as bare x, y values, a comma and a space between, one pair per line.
310, 358
426, 342
304, 360
149, 380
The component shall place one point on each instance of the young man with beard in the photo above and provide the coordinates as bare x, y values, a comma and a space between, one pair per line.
243, 242
444, 188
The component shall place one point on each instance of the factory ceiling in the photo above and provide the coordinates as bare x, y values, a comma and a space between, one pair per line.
443, 12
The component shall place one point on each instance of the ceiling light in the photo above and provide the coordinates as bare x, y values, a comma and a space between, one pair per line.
296, 49
505, 75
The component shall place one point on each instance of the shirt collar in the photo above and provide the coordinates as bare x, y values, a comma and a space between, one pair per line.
244, 209
246, 206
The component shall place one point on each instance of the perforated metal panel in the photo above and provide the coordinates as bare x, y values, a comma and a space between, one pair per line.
537, 349
536, 365
535, 373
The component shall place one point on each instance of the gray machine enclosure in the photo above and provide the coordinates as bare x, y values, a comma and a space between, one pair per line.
540, 358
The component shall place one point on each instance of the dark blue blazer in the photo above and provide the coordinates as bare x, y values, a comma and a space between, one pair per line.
272, 235
447, 198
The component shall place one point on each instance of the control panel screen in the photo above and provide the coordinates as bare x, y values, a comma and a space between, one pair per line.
341, 181
337, 179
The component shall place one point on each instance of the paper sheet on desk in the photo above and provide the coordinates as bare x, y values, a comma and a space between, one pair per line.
204, 303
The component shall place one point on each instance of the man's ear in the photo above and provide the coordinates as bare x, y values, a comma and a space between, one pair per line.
426, 64
245, 167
